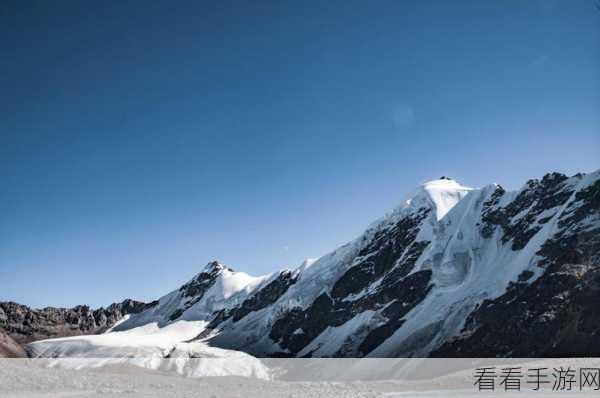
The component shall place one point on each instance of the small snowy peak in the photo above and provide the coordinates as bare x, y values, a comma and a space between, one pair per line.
230, 283
201, 282
441, 195
225, 290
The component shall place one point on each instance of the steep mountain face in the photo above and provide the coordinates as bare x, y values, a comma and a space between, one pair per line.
453, 271
25, 324
557, 314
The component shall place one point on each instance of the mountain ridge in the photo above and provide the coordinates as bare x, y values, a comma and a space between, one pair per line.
25, 324
424, 280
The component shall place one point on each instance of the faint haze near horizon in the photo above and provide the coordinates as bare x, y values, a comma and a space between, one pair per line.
140, 140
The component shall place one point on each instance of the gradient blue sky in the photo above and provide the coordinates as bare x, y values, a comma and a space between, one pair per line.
139, 139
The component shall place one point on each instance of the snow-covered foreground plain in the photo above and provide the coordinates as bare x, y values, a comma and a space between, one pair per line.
437, 378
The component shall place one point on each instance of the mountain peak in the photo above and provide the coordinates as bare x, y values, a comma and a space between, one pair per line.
444, 181
214, 266
442, 194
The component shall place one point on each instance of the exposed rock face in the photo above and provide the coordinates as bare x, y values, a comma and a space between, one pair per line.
9, 348
557, 314
381, 254
265, 296
538, 197
395, 296
25, 324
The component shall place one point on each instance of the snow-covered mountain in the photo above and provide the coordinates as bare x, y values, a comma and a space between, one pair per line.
452, 271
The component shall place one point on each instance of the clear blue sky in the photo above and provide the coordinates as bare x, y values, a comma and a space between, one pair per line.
139, 139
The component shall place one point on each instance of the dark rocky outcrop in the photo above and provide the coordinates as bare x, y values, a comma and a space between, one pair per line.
403, 296
390, 257
203, 281
556, 316
265, 296
299, 327
25, 324
381, 255
539, 196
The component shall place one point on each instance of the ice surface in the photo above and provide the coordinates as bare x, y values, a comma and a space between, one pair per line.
152, 347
